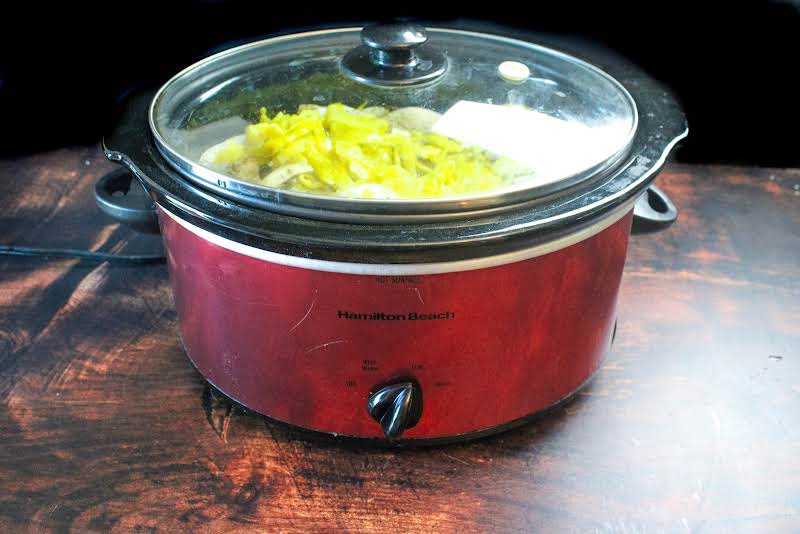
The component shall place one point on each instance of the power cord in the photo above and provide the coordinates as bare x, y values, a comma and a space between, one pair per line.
82, 255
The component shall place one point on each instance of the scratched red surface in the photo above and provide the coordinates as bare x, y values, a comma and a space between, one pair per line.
513, 339
692, 424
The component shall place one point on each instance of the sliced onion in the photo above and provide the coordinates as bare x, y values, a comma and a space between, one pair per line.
376, 191
208, 157
283, 174
414, 118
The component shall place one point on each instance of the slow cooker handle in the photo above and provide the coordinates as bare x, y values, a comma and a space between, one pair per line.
653, 212
119, 195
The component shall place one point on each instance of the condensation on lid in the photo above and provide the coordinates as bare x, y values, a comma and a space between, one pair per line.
552, 146
542, 118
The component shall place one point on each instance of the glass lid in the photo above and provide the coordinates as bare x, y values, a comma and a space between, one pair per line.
392, 120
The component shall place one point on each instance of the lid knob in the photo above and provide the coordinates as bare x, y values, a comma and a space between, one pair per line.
392, 55
393, 45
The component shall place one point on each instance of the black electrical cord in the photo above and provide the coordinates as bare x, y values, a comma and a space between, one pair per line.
82, 255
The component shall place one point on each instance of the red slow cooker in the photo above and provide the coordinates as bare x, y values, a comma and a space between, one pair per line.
421, 235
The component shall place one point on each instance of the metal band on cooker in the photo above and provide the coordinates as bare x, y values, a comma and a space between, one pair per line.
408, 268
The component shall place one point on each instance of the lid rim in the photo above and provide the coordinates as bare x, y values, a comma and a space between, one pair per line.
663, 126
340, 209
335, 208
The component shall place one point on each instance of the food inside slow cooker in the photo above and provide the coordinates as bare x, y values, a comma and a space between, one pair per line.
367, 152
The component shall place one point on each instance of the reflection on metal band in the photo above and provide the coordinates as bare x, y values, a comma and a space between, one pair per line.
409, 268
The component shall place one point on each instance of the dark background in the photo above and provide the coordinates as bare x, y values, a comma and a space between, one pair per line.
63, 68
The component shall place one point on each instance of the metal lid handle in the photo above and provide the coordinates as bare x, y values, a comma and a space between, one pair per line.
394, 55
394, 45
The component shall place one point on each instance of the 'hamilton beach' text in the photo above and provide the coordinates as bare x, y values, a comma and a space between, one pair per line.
380, 316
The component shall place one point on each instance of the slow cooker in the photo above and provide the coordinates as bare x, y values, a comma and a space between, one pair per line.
395, 233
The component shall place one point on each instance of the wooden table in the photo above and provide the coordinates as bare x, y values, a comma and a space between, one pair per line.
693, 424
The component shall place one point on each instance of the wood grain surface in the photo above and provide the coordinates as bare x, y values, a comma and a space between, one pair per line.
692, 425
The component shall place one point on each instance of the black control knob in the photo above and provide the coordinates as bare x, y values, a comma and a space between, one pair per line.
396, 407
